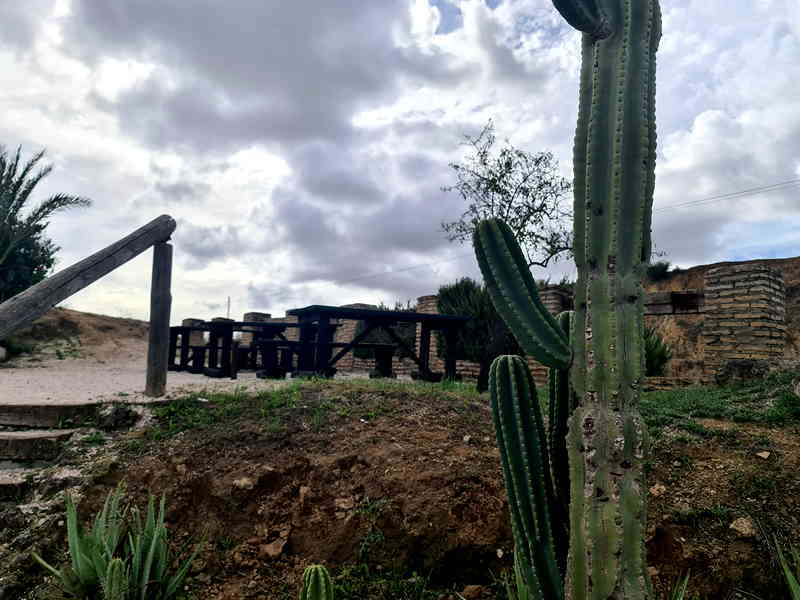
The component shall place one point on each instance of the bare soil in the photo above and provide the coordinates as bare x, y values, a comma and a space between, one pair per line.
410, 482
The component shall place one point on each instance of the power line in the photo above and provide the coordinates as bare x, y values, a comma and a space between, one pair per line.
783, 185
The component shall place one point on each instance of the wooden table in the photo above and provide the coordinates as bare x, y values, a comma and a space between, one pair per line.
317, 345
219, 357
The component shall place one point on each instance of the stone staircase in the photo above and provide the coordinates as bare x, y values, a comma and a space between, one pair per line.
33, 435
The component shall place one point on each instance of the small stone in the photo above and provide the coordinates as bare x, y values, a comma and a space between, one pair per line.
486, 439
467, 439
473, 592
652, 571
500, 553
658, 489
676, 463
273, 549
764, 455
344, 503
744, 527
244, 483
3, 354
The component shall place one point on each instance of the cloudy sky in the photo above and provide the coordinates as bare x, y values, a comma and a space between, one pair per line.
302, 145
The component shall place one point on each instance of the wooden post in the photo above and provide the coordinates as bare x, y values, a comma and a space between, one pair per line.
160, 305
22, 309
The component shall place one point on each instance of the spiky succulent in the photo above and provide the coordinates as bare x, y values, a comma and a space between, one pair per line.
317, 584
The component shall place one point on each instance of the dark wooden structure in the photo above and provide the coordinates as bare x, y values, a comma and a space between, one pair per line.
272, 354
316, 330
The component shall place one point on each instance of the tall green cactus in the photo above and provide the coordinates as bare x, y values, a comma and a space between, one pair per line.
614, 162
317, 584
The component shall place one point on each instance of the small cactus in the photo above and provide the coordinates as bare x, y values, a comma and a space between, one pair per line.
115, 581
317, 584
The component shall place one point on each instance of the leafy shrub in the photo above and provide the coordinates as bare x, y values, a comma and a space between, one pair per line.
104, 567
15, 346
485, 336
660, 271
657, 353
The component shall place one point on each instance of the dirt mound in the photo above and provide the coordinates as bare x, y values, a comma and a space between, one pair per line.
64, 333
392, 480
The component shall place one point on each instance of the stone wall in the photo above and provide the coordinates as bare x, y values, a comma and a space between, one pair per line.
745, 316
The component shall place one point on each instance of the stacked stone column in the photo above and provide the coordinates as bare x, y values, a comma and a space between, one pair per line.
745, 309
195, 337
252, 317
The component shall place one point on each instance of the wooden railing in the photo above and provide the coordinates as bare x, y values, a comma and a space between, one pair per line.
22, 309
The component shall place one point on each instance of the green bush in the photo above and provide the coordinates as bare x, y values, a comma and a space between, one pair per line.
661, 271
485, 336
657, 353
104, 567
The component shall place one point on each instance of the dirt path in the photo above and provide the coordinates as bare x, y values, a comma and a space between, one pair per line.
74, 381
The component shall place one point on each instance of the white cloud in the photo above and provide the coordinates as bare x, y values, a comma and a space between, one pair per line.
303, 145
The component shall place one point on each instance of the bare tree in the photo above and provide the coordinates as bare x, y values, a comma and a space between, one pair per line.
523, 189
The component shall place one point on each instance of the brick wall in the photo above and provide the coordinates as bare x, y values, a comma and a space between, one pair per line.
745, 316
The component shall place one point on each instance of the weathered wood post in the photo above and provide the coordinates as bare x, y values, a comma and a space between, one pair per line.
160, 305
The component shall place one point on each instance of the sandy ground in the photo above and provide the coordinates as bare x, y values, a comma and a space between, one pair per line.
75, 383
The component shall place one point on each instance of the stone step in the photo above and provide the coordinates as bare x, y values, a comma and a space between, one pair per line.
32, 445
13, 485
47, 415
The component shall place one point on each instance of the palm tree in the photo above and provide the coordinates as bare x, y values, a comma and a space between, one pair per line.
17, 182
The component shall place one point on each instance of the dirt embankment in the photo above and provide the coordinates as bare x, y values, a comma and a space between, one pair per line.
64, 333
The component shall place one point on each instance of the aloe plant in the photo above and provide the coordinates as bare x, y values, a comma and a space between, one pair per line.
103, 566
317, 584
606, 441
789, 574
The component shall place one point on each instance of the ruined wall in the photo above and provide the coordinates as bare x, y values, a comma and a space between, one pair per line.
745, 316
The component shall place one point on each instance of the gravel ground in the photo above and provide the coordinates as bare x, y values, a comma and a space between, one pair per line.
77, 381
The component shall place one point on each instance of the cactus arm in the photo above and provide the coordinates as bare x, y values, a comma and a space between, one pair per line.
515, 295
585, 15
655, 37
523, 449
562, 402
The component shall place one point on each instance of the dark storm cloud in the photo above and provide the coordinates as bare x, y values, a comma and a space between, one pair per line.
266, 71
183, 191
266, 296
337, 174
202, 245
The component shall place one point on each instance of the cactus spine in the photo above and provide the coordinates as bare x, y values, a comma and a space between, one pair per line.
614, 162
317, 584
